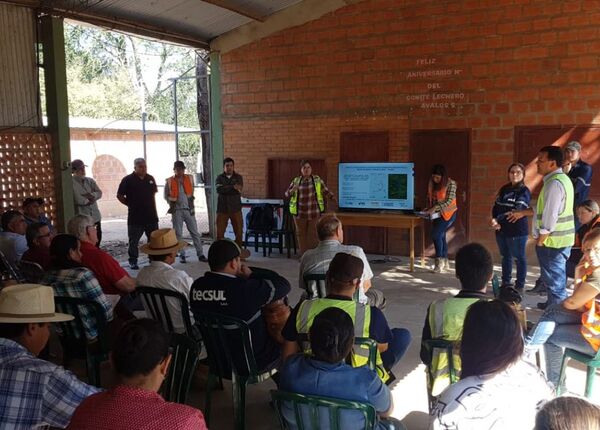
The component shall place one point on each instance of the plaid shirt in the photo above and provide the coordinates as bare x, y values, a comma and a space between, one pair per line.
307, 198
35, 393
80, 282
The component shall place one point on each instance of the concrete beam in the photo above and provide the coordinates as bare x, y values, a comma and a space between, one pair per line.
298, 14
216, 126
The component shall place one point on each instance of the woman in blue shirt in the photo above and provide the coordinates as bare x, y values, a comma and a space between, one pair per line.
512, 236
326, 374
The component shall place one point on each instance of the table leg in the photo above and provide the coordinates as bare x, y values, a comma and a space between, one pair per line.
422, 244
412, 247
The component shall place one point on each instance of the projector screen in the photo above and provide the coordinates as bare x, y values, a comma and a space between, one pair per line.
376, 186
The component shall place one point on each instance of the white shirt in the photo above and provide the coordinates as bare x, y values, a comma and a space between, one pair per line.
507, 400
316, 261
161, 275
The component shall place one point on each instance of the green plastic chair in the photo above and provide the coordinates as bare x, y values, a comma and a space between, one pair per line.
372, 345
155, 303
448, 346
592, 363
496, 286
313, 408
185, 355
72, 335
230, 356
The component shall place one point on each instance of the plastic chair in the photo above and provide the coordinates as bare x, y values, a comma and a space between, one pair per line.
72, 335
448, 347
31, 272
259, 233
592, 363
316, 285
230, 356
308, 410
369, 343
185, 356
286, 233
155, 303
8, 270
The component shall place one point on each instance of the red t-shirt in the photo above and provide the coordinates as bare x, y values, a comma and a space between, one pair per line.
107, 270
131, 408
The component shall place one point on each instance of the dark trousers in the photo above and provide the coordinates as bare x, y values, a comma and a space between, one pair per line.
134, 232
396, 348
98, 233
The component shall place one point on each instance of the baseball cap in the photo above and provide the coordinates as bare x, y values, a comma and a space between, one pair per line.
178, 165
30, 200
77, 164
222, 251
345, 267
573, 146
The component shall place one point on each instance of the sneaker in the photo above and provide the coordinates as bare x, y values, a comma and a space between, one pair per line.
134, 266
540, 288
244, 254
203, 259
542, 305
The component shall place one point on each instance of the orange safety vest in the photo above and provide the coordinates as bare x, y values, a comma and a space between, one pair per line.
434, 197
590, 322
188, 187
578, 241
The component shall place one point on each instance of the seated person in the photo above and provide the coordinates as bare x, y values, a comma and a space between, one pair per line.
445, 317
326, 374
343, 279
572, 323
38, 240
112, 277
12, 237
35, 393
568, 413
588, 214
140, 358
69, 278
162, 251
497, 389
316, 260
33, 211
232, 288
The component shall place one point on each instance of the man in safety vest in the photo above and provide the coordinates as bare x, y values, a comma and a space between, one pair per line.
554, 224
445, 317
343, 279
179, 193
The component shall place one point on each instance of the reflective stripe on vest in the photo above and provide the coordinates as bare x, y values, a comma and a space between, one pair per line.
446, 319
318, 193
188, 188
564, 230
361, 317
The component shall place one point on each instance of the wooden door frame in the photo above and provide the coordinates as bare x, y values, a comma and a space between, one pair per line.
469, 132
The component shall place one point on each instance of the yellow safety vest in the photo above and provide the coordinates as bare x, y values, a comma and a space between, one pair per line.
446, 319
564, 231
361, 317
318, 193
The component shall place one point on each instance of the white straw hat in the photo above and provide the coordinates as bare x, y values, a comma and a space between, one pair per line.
29, 303
163, 241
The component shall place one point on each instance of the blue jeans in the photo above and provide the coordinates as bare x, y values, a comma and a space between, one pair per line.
513, 248
396, 348
438, 234
553, 262
134, 232
557, 328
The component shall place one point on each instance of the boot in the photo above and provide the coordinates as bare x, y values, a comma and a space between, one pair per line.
437, 268
446, 265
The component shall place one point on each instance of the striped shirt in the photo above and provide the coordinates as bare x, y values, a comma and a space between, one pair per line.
35, 393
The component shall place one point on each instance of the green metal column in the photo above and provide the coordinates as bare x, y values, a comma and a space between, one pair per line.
216, 125
57, 107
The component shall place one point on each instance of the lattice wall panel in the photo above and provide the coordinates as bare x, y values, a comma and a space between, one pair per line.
26, 171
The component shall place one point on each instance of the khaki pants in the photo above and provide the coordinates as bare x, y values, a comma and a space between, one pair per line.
236, 222
306, 229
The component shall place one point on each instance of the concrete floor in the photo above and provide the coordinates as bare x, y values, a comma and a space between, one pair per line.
408, 295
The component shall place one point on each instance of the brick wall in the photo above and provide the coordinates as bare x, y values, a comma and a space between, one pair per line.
388, 64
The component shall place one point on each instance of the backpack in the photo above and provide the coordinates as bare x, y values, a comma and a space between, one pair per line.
261, 217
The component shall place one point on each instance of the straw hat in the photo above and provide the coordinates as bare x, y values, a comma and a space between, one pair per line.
29, 303
163, 241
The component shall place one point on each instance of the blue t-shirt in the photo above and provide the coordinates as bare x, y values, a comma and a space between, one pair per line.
512, 198
307, 376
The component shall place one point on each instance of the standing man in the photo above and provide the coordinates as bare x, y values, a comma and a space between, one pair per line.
553, 227
179, 193
229, 205
136, 191
85, 196
579, 171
